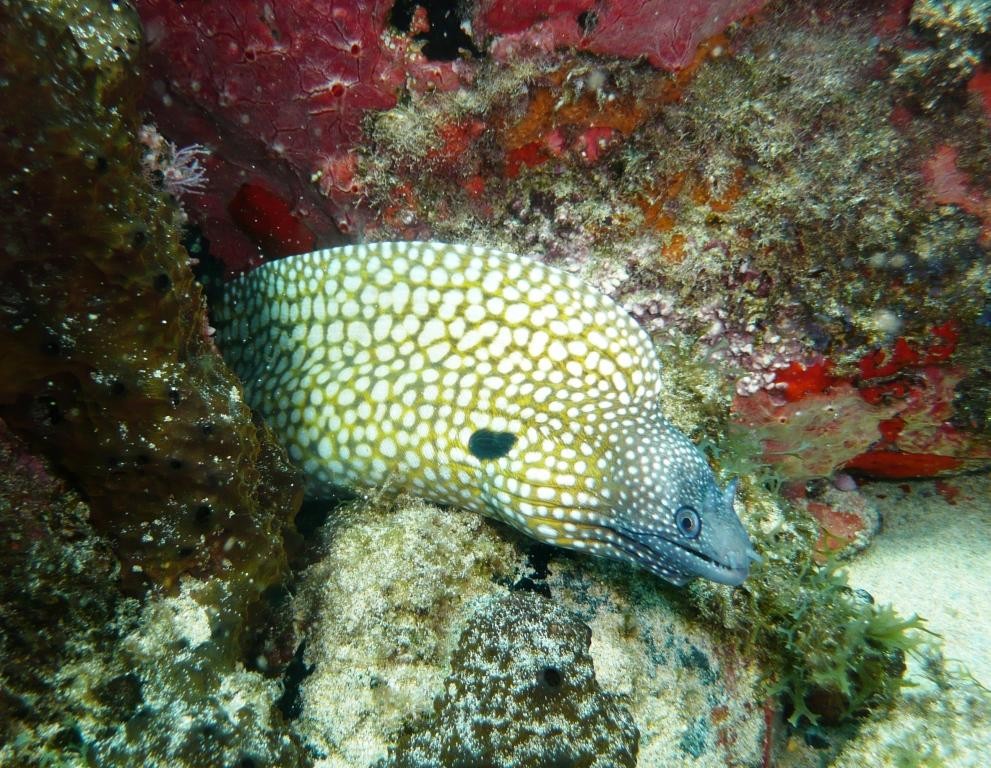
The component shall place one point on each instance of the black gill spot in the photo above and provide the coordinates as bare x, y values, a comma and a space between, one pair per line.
486, 444
162, 282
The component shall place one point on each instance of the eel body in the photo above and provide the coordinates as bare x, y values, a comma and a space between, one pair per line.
485, 380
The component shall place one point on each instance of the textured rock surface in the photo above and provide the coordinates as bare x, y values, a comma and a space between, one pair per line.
108, 368
172, 695
135, 463
692, 695
379, 610
395, 615
522, 692
57, 591
92, 678
957, 31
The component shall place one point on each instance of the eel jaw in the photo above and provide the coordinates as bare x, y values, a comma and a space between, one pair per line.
669, 557
678, 562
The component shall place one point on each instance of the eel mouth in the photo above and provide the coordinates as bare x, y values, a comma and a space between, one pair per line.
713, 570
677, 563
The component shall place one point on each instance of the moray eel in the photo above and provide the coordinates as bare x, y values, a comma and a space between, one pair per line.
484, 380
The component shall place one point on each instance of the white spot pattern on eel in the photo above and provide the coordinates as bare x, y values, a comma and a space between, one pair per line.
486, 380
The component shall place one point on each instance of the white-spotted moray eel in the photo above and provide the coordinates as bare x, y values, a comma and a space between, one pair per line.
485, 380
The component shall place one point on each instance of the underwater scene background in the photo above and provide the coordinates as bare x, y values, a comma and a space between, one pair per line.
791, 200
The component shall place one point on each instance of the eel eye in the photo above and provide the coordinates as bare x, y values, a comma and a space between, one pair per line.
688, 523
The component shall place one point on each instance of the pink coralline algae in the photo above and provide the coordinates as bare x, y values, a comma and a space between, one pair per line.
893, 420
814, 436
759, 352
277, 91
948, 185
847, 519
666, 32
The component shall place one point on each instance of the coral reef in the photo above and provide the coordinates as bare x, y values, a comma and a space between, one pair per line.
665, 34
714, 209
796, 206
92, 678
895, 419
958, 32
112, 374
704, 199
278, 94
522, 692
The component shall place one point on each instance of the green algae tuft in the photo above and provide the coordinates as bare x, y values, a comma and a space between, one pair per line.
830, 653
